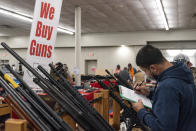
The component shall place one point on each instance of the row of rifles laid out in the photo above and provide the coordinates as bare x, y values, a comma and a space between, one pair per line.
28, 105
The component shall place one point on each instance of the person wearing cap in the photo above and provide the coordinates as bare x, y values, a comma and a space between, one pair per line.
193, 70
174, 97
58, 66
67, 74
185, 60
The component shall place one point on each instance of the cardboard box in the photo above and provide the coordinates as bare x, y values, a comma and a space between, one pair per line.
4, 109
16, 125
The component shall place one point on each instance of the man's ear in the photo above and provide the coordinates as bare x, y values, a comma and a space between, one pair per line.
153, 67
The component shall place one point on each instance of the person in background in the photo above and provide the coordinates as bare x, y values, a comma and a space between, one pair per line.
52, 72
67, 73
117, 70
193, 70
124, 74
132, 71
58, 66
174, 97
185, 60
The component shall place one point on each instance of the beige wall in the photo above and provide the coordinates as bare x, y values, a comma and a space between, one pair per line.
107, 57
112, 39
106, 47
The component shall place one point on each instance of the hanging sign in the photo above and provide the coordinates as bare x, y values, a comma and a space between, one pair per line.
42, 36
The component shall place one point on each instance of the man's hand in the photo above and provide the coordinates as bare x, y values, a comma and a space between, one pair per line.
138, 105
142, 89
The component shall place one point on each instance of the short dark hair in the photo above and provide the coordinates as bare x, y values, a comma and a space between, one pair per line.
118, 66
149, 55
59, 66
125, 68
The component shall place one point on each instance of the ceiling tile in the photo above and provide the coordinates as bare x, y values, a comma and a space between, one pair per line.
170, 3
112, 15
149, 4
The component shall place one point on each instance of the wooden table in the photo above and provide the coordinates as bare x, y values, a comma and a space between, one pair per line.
4, 109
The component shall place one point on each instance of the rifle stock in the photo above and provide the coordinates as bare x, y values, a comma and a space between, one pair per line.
50, 120
39, 100
24, 105
20, 112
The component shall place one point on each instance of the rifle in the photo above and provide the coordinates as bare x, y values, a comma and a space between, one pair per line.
32, 102
66, 103
20, 112
68, 90
76, 94
134, 114
41, 123
39, 101
86, 120
120, 80
129, 112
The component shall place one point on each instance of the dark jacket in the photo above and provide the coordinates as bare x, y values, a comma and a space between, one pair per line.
174, 102
124, 74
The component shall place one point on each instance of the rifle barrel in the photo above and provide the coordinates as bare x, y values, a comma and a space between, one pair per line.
40, 101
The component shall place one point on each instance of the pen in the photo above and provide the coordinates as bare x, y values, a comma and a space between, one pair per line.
139, 85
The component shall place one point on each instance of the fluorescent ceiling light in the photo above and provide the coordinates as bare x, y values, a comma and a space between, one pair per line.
1, 34
122, 45
16, 15
161, 10
62, 29
185, 52
29, 19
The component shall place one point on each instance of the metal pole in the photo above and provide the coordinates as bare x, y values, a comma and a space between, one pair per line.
77, 45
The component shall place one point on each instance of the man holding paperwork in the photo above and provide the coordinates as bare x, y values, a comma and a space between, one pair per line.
174, 97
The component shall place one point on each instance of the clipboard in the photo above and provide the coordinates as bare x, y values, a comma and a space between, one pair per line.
130, 95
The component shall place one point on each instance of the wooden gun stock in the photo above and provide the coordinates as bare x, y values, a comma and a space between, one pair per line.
21, 113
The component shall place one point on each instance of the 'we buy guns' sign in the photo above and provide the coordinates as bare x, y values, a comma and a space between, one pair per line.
43, 35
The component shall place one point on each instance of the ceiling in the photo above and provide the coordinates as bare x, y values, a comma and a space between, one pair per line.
108, 15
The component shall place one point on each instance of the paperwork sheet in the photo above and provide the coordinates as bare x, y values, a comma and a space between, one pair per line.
130, 95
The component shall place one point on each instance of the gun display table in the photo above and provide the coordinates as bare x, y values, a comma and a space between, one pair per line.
96, 84
88, 95
51, 102
45, 97
5, 112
